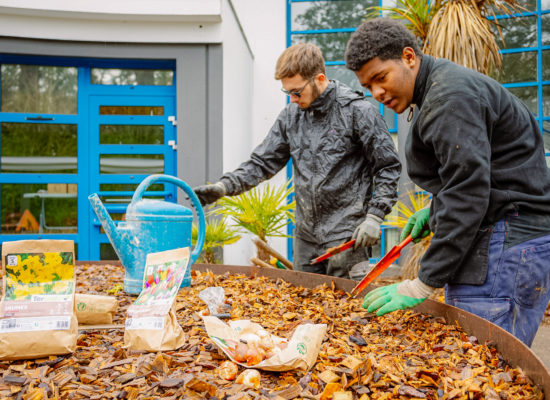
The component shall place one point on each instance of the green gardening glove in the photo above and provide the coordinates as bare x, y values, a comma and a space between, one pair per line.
398, 296
417, 225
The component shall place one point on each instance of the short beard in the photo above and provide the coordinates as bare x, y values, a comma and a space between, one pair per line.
315, 91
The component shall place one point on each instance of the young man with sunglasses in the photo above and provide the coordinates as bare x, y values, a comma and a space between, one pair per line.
344, 163
479, 151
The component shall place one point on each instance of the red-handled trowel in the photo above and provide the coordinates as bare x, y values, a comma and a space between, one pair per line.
380, 266
332, 251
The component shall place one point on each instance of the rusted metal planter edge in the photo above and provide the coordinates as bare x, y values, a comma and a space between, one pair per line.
515, 352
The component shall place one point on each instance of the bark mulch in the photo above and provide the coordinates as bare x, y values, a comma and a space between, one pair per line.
403, 355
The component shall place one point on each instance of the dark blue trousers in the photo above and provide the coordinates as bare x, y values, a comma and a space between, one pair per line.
517, 290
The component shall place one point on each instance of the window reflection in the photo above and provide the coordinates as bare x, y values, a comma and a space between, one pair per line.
311, 15
38, 89
545, 28
128, 187
546, 139
38, 208
546, 101
119, 76
106, 252
517, 32
131, 164
131, 134
529, 96
333, 45
518, 67
546, 65
131, 110
38, 148
389, 117
344, 75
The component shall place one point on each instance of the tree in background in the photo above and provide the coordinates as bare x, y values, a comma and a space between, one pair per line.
458, 30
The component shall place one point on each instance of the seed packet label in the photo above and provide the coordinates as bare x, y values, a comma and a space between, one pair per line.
162, 278
8, 325
145, 323
38, 284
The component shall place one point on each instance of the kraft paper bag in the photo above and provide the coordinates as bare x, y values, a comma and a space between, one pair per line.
151, 324
300, 353
38, 278
94, 309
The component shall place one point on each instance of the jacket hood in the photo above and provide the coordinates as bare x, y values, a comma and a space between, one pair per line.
335, 91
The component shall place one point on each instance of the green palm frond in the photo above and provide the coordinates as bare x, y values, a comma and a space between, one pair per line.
417, 15
263, 212
217, 233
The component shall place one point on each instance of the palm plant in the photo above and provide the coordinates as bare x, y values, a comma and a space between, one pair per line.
458, 30
217, 234
263, 212
417, 15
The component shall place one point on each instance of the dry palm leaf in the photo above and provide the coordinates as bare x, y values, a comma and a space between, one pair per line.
401, 213
412, 260
460, 33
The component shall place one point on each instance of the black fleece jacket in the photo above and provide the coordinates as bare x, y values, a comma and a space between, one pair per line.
479, 151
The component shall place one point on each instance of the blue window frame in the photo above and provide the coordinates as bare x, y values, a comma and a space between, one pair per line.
526, 60
87, 170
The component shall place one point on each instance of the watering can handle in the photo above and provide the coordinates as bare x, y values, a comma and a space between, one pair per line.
194, 200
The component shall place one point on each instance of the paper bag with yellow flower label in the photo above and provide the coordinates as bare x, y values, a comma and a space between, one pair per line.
37, 316
151, 324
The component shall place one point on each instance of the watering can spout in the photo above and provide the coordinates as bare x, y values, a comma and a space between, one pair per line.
107, 222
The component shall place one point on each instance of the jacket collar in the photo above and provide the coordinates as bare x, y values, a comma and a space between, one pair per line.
426, 64
323, 102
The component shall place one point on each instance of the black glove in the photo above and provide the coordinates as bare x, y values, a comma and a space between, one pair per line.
210, 193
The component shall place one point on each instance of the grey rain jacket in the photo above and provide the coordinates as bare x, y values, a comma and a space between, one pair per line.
479, 151
344, 160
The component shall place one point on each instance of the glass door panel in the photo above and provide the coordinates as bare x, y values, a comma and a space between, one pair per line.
38, 148
39, 89
38, 208
130, 138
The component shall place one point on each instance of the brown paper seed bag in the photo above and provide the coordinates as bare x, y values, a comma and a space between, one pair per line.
37, 316
300, 353
151, 324
93, 309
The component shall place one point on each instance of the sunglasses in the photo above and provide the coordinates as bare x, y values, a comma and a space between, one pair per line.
296, 93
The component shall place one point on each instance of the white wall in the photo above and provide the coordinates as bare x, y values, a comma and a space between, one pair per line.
144, 21
263, 23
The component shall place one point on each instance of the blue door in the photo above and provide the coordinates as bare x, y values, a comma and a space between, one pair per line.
71, 127
130, 137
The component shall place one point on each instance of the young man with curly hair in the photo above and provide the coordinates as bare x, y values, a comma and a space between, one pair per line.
344, 162
479, 151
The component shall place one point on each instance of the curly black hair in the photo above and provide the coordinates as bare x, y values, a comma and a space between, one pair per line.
382, 37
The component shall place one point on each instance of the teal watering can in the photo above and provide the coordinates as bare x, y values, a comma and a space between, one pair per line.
151, 226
